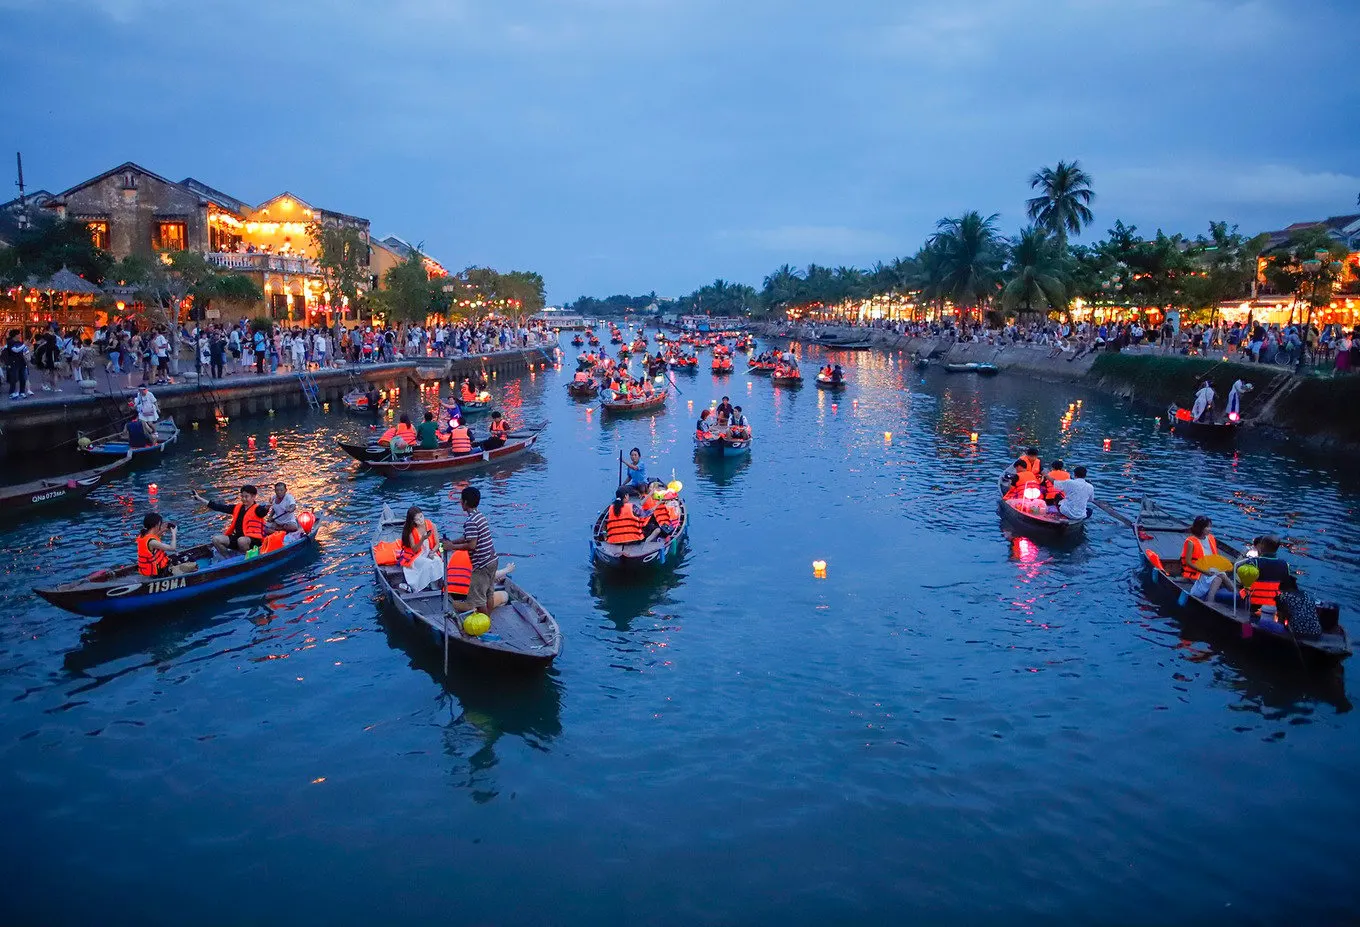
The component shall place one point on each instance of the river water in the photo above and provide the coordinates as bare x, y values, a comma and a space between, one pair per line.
951, 725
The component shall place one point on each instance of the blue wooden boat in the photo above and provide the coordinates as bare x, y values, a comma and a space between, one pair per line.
167, 433
25, 497
122, 591
723, 445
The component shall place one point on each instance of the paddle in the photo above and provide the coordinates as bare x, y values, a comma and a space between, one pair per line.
670, 376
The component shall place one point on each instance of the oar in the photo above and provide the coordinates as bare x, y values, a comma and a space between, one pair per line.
509, 553
1110, 511
670, 376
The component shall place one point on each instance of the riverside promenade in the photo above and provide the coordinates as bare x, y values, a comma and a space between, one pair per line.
48, 420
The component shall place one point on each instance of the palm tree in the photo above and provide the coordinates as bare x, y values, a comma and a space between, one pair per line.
1036, 273
971, 255
781, 288
1064, 200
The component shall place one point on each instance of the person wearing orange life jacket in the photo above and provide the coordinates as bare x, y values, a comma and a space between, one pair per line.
701, 429
1055, 473
499, 428
400, 438
656, 511
1032, 461
1271, 569
246, 526
1015, 483
153, 553
621, 522
1198, 544
466, 394
460, 438
418, 556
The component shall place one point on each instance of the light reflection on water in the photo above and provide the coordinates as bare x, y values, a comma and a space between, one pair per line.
1003, 714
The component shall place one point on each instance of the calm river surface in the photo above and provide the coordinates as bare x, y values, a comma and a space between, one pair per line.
952, 725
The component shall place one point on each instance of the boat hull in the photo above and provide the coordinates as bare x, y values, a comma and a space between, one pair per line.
640, 558
133, 595
16, 501
379, 459
1042, 527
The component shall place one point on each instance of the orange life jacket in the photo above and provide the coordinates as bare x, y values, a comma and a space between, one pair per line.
403, 431
623, 526
1056, 475
458, 576
460, 441
499, 428
1262, 592
1023, 478
150, 561
272, 542
468, 395
406, 555
1192, 551
1034, 463
250, 523
662, 514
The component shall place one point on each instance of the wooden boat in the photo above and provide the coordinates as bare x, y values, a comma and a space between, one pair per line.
522, 630
583, 389
1207, 432
618, 406
167, 433
122, 591
1033, 519
578, 341
423, 463
826, 382
356, 401
723, 444
722, 365
787, 379
986, 370
1160, 536
845, 342
22, 498
759, 366
647, 555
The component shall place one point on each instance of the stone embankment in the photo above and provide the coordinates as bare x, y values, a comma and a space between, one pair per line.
42, 423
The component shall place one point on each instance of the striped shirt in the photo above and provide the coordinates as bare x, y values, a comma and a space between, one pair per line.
476, 529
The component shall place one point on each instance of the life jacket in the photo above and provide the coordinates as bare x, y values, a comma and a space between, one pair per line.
250, 522
662, 514
1262, 592
1035, 465
150, 561
458, 576
468, 395
274, 541
1192, 551
623, 526
499, 429
460, 441
405, 432
406, 555
1056, 475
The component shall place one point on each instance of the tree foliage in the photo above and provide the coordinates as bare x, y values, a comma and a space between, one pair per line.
47, 246
342, 256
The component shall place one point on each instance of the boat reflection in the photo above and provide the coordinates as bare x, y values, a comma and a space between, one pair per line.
623, 597
720, 471
487, 703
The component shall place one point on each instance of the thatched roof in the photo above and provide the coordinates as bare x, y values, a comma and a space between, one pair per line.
65, 281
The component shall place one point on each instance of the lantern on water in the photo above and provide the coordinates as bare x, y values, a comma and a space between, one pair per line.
152, 489
1107, 444
306, 521
972, 437
250, 442
273, 441
1247, 574
887, 436
1233, 416
819, 569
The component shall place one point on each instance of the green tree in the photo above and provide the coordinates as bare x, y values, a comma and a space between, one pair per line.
342, 257
408, 294
1225, 267
971, 253
1309, 266
1063, 205
781, 289
1036, 273
47, 246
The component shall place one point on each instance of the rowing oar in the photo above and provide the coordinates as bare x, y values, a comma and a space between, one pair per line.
1110, 511
670, 376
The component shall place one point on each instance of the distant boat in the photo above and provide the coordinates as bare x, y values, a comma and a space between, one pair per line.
22, 498
844, 341
986, 370
1208, 432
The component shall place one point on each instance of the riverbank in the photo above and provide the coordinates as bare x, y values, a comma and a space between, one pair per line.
1317, 409
45, 421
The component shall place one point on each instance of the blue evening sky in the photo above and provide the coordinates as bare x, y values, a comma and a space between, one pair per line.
630, 145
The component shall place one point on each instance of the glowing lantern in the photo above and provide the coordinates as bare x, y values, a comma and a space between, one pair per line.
1233, 417
306, 521
1107, 444
152, 489
250, 442
1032, 493
1247, 574
972, 437
273, 441
887, 437
675, 485
819, 569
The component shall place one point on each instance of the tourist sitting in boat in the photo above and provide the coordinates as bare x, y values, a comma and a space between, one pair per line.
1055, 474
1199, 544
724, 410
825, 371
635, 471
460, 439
427, 433
373, 398
1032, 461
153, 552
282, 510
141, 434
499, 428
246, 526
400, 438
701, 429
418, 556
1076, 494
581, 377
738, 429
837, 374
660, 519
1271, 571
465, 393
622, 524
1298, 610
1021, 478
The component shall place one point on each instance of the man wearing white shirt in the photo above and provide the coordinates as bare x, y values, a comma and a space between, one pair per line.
1077, 494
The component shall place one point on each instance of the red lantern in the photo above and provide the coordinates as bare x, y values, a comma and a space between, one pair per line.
306, 521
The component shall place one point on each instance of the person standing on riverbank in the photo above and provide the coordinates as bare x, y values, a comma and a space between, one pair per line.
16, 365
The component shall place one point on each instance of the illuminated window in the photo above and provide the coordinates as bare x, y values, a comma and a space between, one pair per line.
170, 236
99, 233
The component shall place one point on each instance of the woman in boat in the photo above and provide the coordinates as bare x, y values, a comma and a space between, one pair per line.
622, 525
400, 438
1298, 610
1200, 543
701, 430
153, 553
635, 471
418, 555
657, 511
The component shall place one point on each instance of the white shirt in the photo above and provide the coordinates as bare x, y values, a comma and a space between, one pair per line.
320, 342
148, 410
160, 346
1077, 497
281, 512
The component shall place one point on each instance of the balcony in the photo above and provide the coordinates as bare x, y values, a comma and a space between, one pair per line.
259, 263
